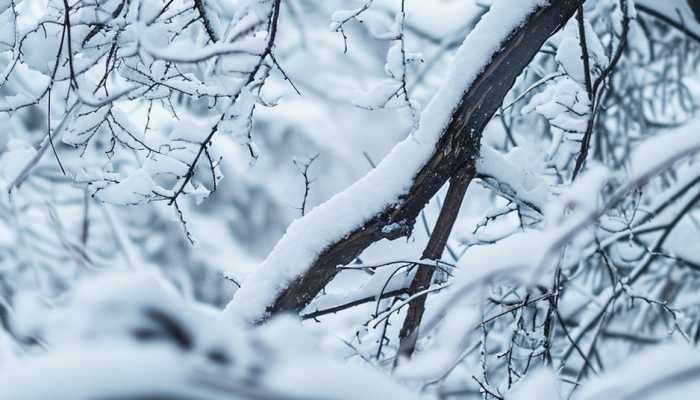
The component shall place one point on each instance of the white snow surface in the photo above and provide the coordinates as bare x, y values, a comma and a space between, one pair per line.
515, 170
306, 238
664, 372
647, 159
94, 336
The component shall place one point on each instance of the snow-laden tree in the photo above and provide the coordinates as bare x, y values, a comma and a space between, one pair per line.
469, 199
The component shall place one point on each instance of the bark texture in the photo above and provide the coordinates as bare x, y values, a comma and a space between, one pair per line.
457, 150
433, 251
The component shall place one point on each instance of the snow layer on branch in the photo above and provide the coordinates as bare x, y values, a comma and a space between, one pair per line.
12, 161
513, 173
137, 187
540, 385
647, 159
184, 52
308, 237
665, 372
569, 50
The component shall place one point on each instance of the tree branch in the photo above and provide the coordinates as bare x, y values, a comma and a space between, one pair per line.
679, 25
457, 149
433, 251
598, 88
201, 9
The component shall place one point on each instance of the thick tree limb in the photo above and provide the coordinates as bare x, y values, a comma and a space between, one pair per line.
457, 149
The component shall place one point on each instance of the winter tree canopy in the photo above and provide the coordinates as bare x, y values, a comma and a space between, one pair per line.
349, 199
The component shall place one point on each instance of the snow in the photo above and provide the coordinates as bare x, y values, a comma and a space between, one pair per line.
447, 344
378, 96
517, 172
569, 51
135, 189
134, 328
676, 10
394, 61
191, 131
340, 16
306, 238
524, 257
102, 372
677, 243
539, 385
12, 162
640, 377
132, 335
647, 158
564, 103
392, 90
162, 164
182, 52
440, 19
665, 372
387, 278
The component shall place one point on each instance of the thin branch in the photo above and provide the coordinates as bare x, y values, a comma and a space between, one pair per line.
433, 251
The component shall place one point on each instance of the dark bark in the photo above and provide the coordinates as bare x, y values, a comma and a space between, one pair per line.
433, 251
203, 16
695, 6
457, 150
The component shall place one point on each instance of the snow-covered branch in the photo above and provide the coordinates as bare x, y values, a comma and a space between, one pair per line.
448, 137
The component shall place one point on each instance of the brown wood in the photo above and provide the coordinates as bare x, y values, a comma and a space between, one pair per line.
433, 251
457, 150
